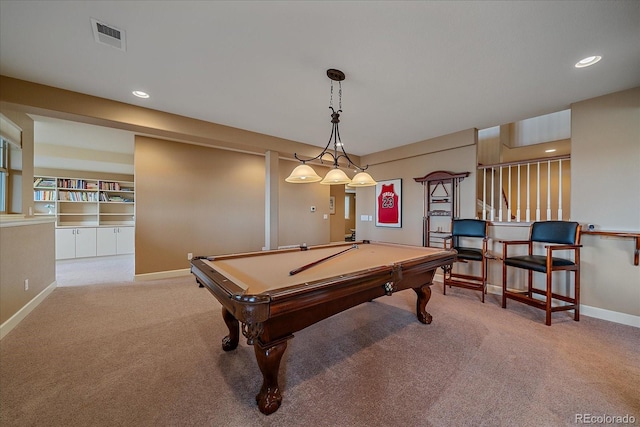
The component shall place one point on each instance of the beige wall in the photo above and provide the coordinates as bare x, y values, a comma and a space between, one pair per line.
604, 172
194, 199
28, 252
338, 223
605, 190
454, 153
605, 177
297, 224
206, 201
63, 104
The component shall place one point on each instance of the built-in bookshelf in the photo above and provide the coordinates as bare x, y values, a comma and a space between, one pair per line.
45, 196
84, 202
117, 203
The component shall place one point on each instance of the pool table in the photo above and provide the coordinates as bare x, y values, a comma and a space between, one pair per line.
278, 292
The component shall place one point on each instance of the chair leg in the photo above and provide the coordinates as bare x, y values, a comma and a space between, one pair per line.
446, 276
549, 297
504, 286
576, 311
484, 277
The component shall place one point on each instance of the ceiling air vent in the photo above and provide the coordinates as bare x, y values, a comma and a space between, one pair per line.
108, 34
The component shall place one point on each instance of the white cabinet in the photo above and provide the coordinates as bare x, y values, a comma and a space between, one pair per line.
115, 240
94, 217
75, 242
126, 240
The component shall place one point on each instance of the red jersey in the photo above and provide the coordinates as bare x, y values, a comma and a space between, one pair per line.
388, 209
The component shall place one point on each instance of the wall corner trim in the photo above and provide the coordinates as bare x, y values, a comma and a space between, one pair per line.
14, 320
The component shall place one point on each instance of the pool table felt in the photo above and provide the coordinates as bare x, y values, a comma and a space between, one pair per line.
270, 271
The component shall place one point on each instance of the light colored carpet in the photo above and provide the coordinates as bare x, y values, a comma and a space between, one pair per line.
149, 354
87, 271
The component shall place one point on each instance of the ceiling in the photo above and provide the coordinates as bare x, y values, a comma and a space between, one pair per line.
414, 70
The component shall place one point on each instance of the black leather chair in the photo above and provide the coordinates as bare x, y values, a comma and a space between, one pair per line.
559, 236
464, 232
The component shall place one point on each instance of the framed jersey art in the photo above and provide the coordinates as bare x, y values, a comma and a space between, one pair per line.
388, 203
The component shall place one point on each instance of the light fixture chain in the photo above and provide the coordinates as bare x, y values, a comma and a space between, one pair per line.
331, 97
339, 95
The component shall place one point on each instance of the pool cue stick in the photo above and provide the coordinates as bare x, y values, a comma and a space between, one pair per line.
305, 267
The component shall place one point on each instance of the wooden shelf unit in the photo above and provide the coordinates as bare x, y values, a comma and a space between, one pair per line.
441, 205
76, 202
93, 216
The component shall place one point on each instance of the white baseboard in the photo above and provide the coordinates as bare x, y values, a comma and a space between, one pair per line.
162, 275
13, 321
598, 313
611, 316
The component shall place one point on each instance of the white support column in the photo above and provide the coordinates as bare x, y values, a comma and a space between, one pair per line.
560, 190
484, 194
518, 206
549, 190
271, 200
509, 197
528, 214
493, 192
500, 197
538, 196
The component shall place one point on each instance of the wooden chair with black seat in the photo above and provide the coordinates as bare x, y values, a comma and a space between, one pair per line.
555, 236
469, 238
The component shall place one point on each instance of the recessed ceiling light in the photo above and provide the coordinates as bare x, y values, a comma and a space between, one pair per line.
551, 150
140, 94
588, 61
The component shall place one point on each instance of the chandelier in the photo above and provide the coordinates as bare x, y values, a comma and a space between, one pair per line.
304, 173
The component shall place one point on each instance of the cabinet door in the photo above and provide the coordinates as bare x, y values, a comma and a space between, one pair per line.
126, 240
65, 243
85, 242
107, 238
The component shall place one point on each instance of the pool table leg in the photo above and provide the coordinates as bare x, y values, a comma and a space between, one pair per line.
230, 342
424, 295
269, 357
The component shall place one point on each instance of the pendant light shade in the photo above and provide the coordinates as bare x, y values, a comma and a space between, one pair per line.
362, 179
335, 177
303, 174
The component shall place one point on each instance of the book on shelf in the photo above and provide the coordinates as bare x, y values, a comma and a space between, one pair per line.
79, 184
109, 185
44, 182
43, 195
77, 196
105, 197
